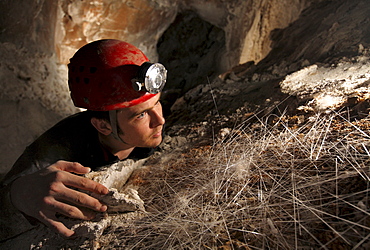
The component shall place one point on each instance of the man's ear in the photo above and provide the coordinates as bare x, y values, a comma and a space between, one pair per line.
102, 126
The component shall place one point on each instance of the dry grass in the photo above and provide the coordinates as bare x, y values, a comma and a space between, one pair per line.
267, 185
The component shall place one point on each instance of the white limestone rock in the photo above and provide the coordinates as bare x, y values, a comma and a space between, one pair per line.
120, 198
123, 201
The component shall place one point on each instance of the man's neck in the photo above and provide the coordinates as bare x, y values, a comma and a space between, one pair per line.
114, 146
123, 154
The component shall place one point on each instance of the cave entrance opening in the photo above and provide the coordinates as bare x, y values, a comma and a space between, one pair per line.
191, 49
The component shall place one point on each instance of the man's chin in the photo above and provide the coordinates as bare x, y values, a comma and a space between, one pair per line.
154, 142
159, 141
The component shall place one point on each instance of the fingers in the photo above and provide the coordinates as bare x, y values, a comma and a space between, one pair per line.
49, 219
68, 210
48, 216
80, 199
77, 181
73, 167
83, 183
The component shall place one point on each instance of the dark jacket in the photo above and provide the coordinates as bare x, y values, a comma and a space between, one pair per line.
72, 139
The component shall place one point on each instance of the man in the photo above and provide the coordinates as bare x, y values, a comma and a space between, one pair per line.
120, 89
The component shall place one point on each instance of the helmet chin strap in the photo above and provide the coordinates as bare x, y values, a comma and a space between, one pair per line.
114, 124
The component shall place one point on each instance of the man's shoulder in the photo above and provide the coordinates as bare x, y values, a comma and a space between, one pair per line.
80, 119
68, 135
70, 126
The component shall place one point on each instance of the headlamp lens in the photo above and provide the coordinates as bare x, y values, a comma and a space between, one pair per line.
155, 78
151, 77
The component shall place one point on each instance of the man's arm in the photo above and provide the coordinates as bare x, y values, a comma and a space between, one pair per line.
47, 192
12, 221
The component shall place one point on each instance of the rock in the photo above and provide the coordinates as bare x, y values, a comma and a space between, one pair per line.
120, 198
123, 201
116, 175
328, 87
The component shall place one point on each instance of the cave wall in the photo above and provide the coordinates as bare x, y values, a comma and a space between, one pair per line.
266, 17
33, 92
38, 37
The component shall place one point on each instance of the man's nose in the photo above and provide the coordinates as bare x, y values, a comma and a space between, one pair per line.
157, 118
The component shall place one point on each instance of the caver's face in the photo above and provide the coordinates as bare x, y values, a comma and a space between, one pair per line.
142, 124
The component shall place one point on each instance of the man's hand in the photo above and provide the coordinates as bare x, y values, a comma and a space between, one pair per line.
45, 193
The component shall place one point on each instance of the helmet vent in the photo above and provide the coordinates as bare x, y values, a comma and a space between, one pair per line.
77, 79
93, 70
86, 80
82, 68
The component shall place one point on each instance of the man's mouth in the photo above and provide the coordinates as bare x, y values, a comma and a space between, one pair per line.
158, 133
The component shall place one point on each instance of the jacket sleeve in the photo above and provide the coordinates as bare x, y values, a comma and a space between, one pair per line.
12, 221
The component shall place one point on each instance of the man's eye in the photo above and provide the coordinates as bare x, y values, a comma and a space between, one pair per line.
141, 115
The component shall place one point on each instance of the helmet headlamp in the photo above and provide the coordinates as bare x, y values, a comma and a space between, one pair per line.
151, 77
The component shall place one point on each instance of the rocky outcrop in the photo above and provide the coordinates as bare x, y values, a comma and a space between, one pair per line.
194, 39
122, 200
320, 61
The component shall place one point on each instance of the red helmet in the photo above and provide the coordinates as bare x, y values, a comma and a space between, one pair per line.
105, 75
